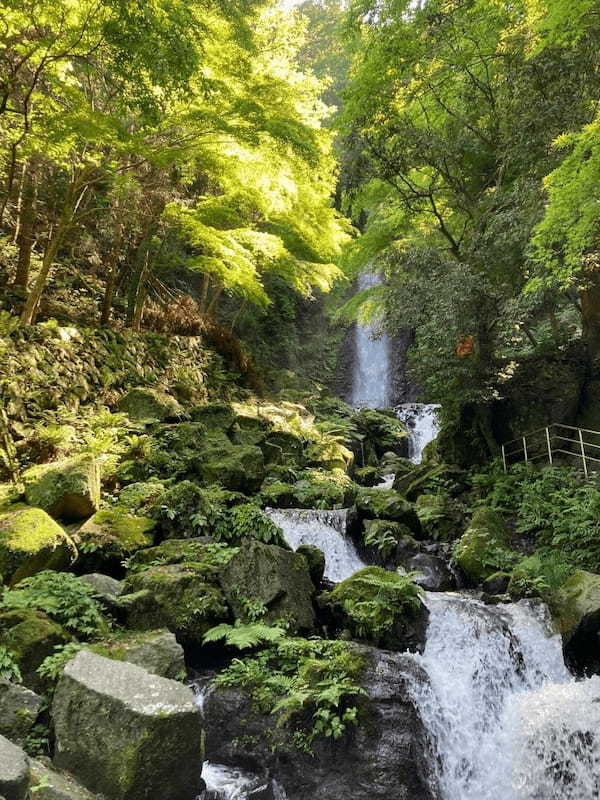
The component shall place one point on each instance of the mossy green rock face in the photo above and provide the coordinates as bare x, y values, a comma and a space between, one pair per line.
270, 578
149, 405
315, 559
68, 489
138, 497
283, 447
239, 468
215, 416
125, 733
19, 708
111, 536
483, 548
31, 541
176, 597
31, 636
387, 504
577, 603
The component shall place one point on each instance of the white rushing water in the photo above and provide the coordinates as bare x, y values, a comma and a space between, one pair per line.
371, 376
506, 719
421, 420
325, 530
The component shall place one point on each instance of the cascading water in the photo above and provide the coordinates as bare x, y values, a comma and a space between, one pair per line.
325, 530
421, 420
505, 718
371, 378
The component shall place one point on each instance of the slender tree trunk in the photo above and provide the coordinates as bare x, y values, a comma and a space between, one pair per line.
26, 228
212, 308
112, 277
590, 314
139, 273
204, 293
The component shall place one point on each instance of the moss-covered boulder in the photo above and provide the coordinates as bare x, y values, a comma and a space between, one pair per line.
138, 498
576, 610
315, 558
159, 652
484, 547
126, 733
379, 607
68, 489
214, 416
48, 784
387, 504
150, 405
111, 536
19, 709
387, 543
204, 554
314, 488
31, 636
249, 429
268, 579
179, 597
30, 541
239, 468
283, 447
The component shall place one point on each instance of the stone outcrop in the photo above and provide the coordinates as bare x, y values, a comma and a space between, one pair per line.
14, 771
385, 756
68, 489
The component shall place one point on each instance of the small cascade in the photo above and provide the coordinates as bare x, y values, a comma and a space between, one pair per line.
326, 530
230, 783
371, 375
421, 420
505, 718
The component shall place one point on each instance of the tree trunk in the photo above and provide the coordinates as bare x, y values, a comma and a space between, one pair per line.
112, 277
26, 230
590, 314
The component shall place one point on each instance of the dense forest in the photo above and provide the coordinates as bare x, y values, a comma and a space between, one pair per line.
299, 399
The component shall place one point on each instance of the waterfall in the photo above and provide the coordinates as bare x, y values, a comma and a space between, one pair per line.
421, 420
505, 718
326, 530
371, 377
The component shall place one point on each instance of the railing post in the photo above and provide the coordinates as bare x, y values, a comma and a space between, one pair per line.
582, 452
504, 458
549, 445
525, 448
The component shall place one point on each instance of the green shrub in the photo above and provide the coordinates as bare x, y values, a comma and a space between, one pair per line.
539, 575
248, 522
63, 597
375, 599
9, 669
52, 666
311, 683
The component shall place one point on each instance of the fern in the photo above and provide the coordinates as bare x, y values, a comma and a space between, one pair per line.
244, 636
9, 668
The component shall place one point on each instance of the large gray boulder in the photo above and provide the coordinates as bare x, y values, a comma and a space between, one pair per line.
126, 733
19, 708
385, 756
14, 771
277, 579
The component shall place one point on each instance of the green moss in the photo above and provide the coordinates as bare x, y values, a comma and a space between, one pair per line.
149, 405
374, 601
484, 547
30, 541
68, 489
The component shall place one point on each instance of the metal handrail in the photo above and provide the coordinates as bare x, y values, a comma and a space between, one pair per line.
549, 448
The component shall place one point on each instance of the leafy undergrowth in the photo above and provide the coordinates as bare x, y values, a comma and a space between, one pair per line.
313, 683
556, 507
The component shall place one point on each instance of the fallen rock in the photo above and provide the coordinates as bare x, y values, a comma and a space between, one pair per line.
484, 547
125, 733
31, 636
576, 609
434, 574
150, 405
111, 536
51, 785
31, 541
157, 652
276, 578
14, 771
19, 708
175, 596
106, 589
68, 489
389, 505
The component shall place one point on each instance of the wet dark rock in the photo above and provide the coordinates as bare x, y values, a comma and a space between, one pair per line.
19, 708
496, 583
384, 757
434, 574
